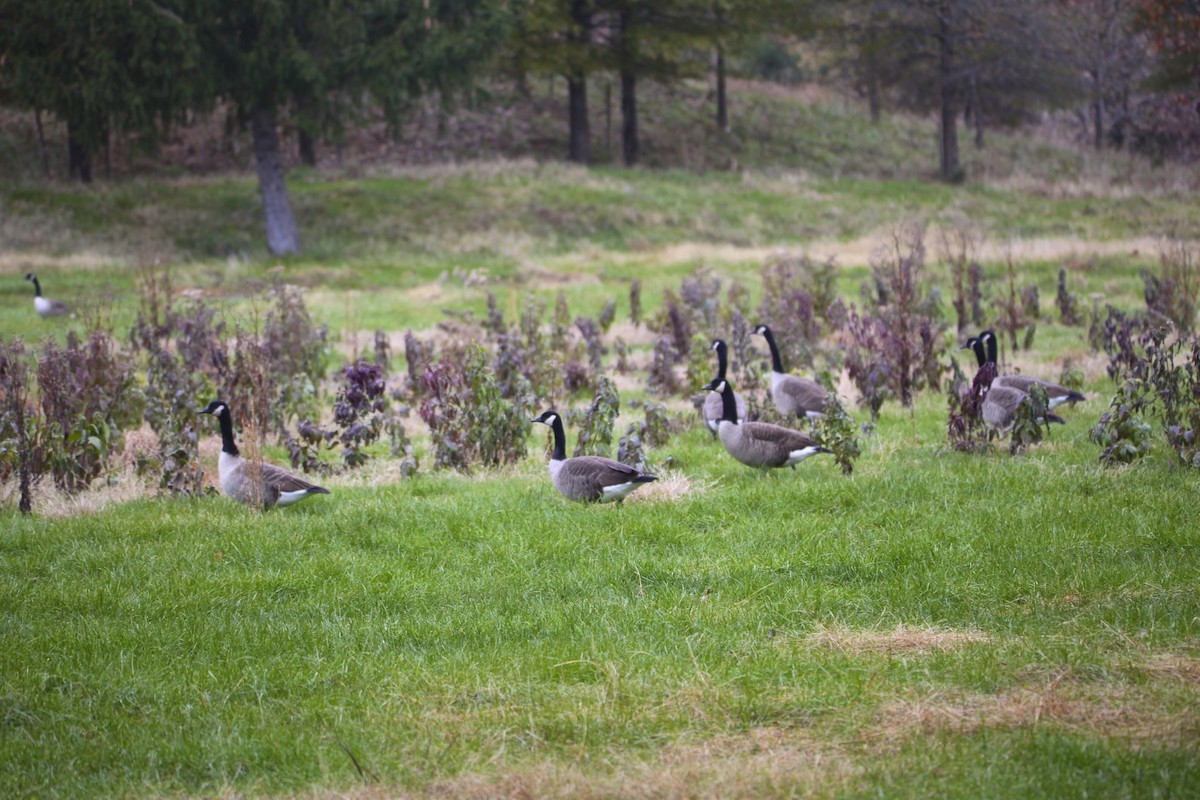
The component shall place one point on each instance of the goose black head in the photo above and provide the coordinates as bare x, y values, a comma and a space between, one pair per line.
547, 417
761, 330
216, 408
29, 276
717, 386
717, 344
969, 344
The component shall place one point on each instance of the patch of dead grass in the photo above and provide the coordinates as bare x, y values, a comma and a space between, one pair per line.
671, 486
766, 761
1108, 709
901, 639
1174, 666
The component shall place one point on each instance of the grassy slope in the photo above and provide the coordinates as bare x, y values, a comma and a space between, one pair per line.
474, 635
444, 625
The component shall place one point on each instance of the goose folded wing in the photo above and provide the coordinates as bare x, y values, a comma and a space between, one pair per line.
777, 435
591, 474
809, 395
285, 481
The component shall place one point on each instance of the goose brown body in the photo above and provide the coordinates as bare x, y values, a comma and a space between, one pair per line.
251, 483
44, 306
793, 396
1000, 403
1056, 394
588, 478
760, 444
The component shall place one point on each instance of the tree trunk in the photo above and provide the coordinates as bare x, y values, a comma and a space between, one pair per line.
951, 168
580, 148
306, 118
630, 146
1098, 122
722, 99
976, 114
307, 147
79, 160
608, 118
43, 153
874, 93
282, 235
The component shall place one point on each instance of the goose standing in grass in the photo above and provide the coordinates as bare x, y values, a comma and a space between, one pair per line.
1000, 403
760, 444
278, 487
712, 410
800, 397
1055, 394
44, 306
588, 478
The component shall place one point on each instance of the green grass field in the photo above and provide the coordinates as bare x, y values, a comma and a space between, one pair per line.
933, 625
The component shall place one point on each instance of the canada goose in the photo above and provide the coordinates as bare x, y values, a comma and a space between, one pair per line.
1000, 403
712, 409
800, 397
279, 487
760, 444
1057, 395
44, 306
588, 478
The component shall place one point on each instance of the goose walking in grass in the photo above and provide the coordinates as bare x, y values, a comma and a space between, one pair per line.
276, 487
1000, 402
799, 397
760, 444
712, 410
1055, 394
588, 478
44, 306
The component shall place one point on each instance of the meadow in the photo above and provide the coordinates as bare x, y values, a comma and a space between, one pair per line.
935, 624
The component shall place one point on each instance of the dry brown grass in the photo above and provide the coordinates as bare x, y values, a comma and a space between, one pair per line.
1174, 666
671, 486
766, 762
901, 639
1107, 709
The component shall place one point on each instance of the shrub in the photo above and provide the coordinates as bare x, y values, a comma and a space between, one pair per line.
416, 355
1030, 424
662, 380
293, 352
1068, 304
470, 423
791, 307
17, 453
700, 294
596, 428
1122, 433
1172, 295
635, 302
1014, 310
965, 427
83, 391
894, 350
958, 246
838, 431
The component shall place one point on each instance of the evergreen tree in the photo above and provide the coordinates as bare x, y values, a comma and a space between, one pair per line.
100, 67
266, 56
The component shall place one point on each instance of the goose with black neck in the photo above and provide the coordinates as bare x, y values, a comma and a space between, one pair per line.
586, 479
274, 487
